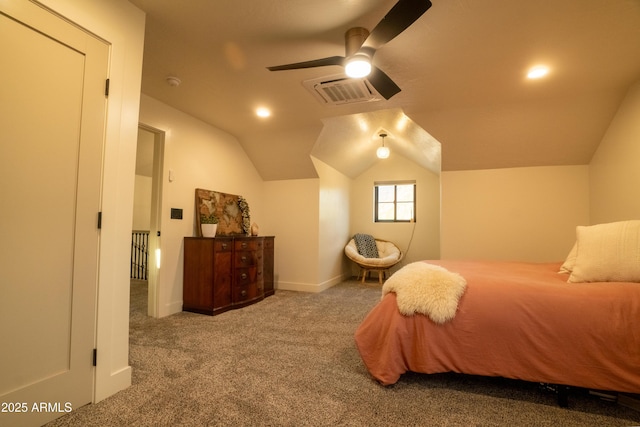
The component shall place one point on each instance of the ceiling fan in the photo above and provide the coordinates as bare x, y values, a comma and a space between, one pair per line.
360, 46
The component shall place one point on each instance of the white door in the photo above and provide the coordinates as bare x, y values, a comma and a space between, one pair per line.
52, 124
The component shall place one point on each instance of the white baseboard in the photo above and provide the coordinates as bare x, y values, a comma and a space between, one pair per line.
171, 308
108, 385
310, 287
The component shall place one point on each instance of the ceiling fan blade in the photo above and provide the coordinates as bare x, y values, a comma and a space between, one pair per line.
333, 60
383, 83
398, 19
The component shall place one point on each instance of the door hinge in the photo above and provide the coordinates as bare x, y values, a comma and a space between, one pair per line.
95, 357
99, 220
106, 88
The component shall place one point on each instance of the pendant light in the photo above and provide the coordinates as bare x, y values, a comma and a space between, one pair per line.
382, 152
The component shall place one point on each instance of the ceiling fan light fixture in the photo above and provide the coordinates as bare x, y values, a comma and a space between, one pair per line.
361, 45
357, 66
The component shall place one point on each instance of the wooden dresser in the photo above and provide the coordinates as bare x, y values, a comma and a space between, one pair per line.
224, 273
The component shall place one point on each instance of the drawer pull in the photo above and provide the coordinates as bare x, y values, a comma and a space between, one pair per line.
224, 246
244, 258
243, 293
244, 245
243, 276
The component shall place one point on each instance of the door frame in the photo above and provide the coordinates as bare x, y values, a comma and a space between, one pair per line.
155, 225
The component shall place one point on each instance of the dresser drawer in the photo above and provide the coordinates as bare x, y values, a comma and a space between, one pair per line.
247, 259
223, 245
248, 244
246, 292
247, 275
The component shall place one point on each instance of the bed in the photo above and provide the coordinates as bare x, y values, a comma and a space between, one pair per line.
573, 323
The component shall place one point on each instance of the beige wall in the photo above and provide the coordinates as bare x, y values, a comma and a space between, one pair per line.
141, 203
333, 224
523, 214
199, 156
526, 214
530, 214
425, 231
293, 213
308, 217
615, 167
142, 189
330, 209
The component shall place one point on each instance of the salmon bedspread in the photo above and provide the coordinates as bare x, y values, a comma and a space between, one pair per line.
515, 320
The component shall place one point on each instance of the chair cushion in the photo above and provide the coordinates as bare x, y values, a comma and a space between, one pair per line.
387, 249
389, 255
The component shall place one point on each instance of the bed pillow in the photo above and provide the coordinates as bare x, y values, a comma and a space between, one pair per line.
607, 253
567, 267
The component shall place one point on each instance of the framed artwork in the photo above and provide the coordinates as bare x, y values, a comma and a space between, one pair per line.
232, 212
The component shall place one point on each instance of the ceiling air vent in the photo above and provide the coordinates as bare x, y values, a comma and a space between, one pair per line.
339, 90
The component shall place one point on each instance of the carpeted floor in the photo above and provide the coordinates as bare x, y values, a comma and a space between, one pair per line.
290, 360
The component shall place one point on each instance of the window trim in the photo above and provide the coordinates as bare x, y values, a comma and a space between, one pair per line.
395, 184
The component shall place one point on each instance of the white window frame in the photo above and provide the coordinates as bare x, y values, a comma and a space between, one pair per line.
395, 184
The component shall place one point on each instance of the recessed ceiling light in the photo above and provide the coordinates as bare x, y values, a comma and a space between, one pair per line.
263, 112
537, 72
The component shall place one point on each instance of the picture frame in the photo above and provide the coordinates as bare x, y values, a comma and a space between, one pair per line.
231, 210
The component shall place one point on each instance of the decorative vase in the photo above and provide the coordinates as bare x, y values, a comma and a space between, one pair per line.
209, 230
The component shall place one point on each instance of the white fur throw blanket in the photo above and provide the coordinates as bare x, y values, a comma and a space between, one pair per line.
428, 289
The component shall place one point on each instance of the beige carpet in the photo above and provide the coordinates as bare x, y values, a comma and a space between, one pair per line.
290, 360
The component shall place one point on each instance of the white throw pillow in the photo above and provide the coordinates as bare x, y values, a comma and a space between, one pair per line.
607, 253
567, 266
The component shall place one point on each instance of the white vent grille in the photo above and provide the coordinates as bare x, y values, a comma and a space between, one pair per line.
339, 90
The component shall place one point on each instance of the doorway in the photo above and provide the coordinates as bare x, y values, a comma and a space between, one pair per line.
146, 250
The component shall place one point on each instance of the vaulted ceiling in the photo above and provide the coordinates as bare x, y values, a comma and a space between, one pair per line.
461, 67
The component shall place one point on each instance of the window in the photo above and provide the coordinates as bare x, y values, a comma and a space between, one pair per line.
395, 201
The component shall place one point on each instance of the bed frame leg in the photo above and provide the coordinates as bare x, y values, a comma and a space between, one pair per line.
563, 396
561, 391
